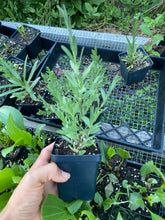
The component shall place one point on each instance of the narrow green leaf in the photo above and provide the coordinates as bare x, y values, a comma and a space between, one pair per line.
119, 217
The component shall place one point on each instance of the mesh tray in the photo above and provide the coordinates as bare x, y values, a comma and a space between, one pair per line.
135, 114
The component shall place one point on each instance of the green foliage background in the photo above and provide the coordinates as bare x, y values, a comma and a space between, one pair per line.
98, 13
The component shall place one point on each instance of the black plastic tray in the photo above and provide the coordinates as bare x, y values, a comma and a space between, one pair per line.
34, 47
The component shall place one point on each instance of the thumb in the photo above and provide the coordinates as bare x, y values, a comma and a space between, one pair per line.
45, 173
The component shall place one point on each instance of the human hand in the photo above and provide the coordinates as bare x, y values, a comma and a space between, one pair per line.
26, 200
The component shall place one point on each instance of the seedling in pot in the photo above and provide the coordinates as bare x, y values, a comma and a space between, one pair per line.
74, 95
11, 48
133, 54
108, 153
26, 34
21, 30
20, 87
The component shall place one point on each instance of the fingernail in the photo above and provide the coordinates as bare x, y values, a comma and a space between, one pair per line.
65, 175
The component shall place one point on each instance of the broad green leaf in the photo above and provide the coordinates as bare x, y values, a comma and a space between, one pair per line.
19, 136
89, 214
145, 29
4, 198
1, 164
7, 150
96, 2
113, 178
6, 181
54, 208
74, 206
17, 116
149, 167
107, 203
123, 153
155, 216
111, 152
16, 179
98, 199
78, 5
109, 189
161, 194
133, 205
104, 150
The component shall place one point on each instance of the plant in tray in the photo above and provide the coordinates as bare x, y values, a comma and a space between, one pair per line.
134, 63
13, 127
74, 96
139, 189
20, 86
26, 34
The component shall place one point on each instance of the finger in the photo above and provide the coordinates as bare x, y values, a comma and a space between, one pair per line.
44, 156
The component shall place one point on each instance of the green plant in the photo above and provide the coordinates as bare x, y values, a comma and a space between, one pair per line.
21, 30
77, 98
149, 28
14, 129
150, 191
9, 178
20, 87
58, 209
132, 56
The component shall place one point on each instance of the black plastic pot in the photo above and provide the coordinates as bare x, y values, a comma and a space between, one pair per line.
3, 39
162, 43
42, 54
83, 170
57, 52
18, 51
17, 61
135, 76
33, 44
5, 99
8, 31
